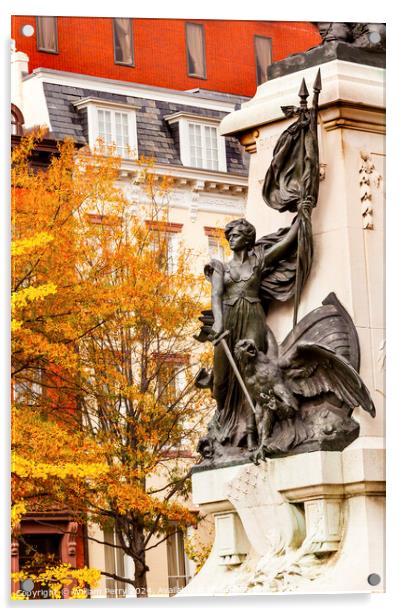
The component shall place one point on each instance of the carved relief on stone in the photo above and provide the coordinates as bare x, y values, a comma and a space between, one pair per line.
289, 548
197, 187
368, 177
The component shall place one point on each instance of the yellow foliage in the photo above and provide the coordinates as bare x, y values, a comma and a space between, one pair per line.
34, 470
102, 329
17, 511
20, 247
57, 577
21, 298
197, 552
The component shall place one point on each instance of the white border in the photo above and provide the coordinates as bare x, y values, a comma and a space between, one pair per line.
341, 10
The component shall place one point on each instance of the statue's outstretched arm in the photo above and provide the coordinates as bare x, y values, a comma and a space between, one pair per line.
280, 249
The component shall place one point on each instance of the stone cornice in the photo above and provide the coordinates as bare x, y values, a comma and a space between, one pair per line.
342, 81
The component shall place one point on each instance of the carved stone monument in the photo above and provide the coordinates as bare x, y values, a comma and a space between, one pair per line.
296, 484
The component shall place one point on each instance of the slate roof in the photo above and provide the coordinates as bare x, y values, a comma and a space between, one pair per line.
155, 137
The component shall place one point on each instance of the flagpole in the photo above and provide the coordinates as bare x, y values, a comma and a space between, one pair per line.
303, 95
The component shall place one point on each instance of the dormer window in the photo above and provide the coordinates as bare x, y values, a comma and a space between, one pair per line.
201, 146
112, 125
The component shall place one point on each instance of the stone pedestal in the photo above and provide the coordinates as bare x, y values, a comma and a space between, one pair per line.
314, 522
307, 523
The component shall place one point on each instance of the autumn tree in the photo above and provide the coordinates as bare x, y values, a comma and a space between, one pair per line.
103, 357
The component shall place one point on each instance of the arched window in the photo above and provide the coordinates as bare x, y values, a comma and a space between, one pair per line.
17, 120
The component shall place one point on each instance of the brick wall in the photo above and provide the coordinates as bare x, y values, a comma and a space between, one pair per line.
86, 46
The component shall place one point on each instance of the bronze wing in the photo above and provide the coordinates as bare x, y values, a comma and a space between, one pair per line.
329, 325
311, 369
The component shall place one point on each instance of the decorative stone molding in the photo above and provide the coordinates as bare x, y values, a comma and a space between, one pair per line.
249, 140
72, 538
367, 169
231, 540
197, 187
323, 524
353, 117
214, 232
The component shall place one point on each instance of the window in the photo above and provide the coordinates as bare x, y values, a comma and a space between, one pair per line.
171, 378
30, 389
165, 245
263, 57
216, 243
123, 41
113, 130
201, 145
112, 123
46, 34
114, 563
17, 120
177, 561
165, 242
195, 46
216, 249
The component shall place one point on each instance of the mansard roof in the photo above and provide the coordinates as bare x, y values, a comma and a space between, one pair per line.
155, 137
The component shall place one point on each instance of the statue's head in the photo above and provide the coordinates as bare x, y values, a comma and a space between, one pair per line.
241, 227
245, 350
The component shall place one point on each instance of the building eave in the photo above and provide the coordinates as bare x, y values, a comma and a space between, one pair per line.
127, 89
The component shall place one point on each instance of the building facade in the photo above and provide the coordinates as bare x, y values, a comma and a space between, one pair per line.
208, 175
220, 55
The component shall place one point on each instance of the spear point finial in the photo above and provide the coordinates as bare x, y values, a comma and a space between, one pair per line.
303, 92
317, 87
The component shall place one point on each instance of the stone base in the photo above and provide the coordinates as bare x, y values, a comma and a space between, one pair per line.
333, 50
309, 523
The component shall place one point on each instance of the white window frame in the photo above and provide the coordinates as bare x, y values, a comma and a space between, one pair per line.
184, 120
114, 558
172, 248
93, 105
172, 251
216, 249
185, 577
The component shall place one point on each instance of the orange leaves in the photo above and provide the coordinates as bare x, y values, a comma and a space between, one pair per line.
101, 307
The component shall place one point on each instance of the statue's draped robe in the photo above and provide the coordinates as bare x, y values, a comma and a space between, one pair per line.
291, 180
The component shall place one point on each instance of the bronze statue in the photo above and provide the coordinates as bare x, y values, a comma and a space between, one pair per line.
299, 396
279, 383
236, 306
370, 36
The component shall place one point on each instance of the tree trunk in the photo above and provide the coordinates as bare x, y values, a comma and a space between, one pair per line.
140, 576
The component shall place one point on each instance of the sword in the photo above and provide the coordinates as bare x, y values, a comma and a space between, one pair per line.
221, 340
